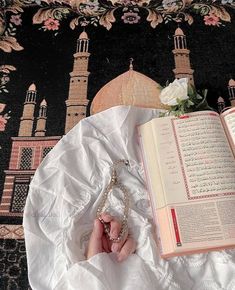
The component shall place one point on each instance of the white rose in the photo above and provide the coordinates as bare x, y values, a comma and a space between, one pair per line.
176, 90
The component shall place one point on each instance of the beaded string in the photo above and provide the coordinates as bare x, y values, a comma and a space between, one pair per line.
114, 182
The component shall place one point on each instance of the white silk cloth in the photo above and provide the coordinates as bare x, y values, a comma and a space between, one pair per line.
61, 206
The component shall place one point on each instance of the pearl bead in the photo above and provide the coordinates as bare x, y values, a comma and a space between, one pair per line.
114, 182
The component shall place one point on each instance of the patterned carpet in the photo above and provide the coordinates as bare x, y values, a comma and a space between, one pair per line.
61, 61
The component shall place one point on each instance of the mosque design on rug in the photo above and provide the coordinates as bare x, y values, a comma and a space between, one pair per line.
33, 140
130, 88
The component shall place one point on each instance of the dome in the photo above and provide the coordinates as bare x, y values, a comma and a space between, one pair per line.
83, 35
43, 103
32, 87
129, 88
179, 32
231, 83
220, 100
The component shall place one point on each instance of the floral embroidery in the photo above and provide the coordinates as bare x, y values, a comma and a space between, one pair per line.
212, 19
90, 7
3, 122
16, 19
4, 79
4, 76
227, 1
8, 41
51, 13
51, 24
170, 5
130, 17
130, 2
2, 107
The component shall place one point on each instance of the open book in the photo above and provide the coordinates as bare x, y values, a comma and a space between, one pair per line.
190, 172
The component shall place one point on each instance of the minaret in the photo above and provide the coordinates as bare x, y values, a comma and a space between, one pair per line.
27, 119
181, 56
131, 63
77, 100
231, 91
220, 104
41, 119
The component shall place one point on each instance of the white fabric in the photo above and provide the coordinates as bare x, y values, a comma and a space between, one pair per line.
62, 203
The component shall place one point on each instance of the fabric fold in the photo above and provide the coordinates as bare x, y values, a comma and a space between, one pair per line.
62, 202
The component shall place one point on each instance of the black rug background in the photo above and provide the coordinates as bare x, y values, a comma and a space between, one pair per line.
48, 59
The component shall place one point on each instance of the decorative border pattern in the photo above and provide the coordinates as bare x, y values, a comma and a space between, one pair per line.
11, 232
13, 265
182, 166
52, 14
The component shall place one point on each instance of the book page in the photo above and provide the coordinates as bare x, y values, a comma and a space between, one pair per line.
196, 159
228, 118
155, 189
205, 223
197, 171
148, 154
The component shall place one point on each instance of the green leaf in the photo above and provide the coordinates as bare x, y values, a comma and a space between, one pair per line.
199, 97
191, 90
204, 10
205, 92
161, 114
202, 104
190, 103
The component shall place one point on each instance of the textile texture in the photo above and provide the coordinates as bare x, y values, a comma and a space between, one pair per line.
61, 61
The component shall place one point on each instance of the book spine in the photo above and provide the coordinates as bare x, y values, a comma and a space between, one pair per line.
149, 189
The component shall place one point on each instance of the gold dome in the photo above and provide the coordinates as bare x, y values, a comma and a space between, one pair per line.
83, 35
179, 32
129, 88
32, 88
43, 103
231, 83
220, 100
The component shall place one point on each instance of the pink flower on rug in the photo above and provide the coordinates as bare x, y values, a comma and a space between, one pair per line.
16, 19
51, 24
211, 19
91, 7
3, 122
130, 17
124, 2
